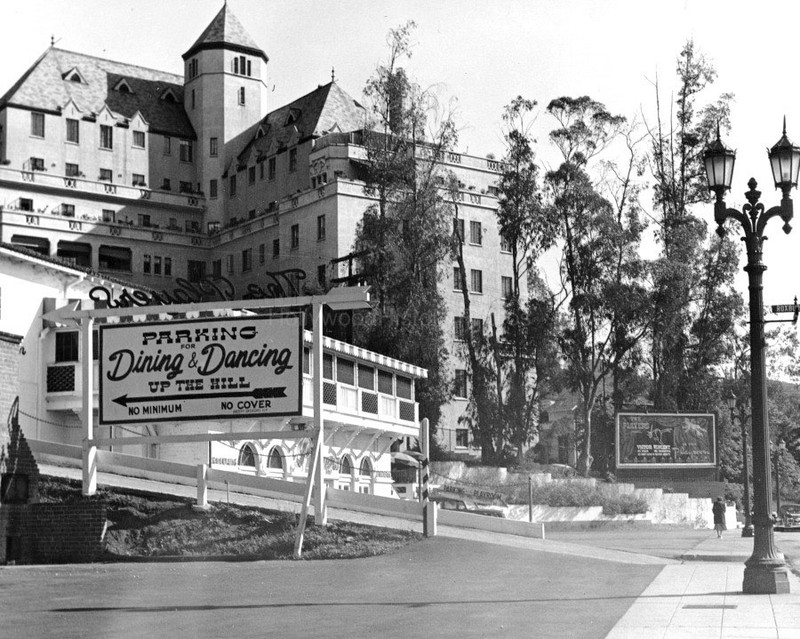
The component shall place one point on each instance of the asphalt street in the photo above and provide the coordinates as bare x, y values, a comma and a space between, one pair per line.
436, 588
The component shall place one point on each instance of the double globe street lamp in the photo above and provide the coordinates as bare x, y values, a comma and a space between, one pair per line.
765, 571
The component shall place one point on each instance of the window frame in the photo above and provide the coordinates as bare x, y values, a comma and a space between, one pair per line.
37, 125
106, 137
73, 131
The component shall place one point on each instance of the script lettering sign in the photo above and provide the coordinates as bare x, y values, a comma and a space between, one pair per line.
208, 289
192, 370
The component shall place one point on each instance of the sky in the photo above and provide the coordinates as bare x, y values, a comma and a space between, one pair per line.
483, 54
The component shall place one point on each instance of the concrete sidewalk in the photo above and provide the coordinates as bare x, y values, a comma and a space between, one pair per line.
702, 599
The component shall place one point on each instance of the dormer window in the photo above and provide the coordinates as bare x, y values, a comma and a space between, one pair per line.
169, 96
74, 75
294, 115
123, 87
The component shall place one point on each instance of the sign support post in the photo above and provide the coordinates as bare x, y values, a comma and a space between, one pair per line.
89, 448
428, 507
320, 508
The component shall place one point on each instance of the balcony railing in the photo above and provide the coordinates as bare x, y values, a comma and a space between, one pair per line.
361, 402
194, 200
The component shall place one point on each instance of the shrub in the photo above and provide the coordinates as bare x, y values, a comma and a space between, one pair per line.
627, 504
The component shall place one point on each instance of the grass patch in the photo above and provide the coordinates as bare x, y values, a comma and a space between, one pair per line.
146, 525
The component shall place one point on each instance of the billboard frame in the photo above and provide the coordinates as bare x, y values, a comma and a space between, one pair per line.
671, 465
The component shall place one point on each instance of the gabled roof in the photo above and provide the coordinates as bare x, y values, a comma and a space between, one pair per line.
312, 115
45, 88
226, 32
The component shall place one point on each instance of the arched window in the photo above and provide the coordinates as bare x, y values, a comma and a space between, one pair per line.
345, 467
248, 456
275, 459
365, 470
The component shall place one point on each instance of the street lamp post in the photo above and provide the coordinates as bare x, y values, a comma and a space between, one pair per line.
747, 530
778, 452
765, 571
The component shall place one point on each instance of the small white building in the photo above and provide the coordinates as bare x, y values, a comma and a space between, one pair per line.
369, 399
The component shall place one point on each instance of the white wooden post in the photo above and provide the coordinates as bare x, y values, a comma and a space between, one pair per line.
89, 465
202, 486
320, 507
301, 525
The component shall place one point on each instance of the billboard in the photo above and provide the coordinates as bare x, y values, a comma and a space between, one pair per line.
194, 370
666, 440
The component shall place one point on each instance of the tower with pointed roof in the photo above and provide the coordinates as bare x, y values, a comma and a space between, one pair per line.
224, 94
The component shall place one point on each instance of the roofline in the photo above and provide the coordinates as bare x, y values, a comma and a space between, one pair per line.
225, 45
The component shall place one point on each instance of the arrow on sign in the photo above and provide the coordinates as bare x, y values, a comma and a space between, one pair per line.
258, 393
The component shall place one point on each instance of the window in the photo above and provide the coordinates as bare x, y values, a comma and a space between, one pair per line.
458, 279
477, 327
476, 281
233, 186
168, 266
385, 382
247, 260
138, 139
68, 210
157, 265
276, 249
275, 459
194, 101
138, 180
321, 270
404, 387
146, 265
458, 229
462, 437
166, 185
229, 263
251, 175
507, 287
25, 204
320, 228
260, 170
37, 125
459, 328
247, 456
327, 366
167, 145
73, 131
292, 160
212, 188
366, 377
475, 236
216, 268
505, 245
212, 147
106, 137
72, 170
184, 187
262, 253
460, 383
144, 219
193, 68
67, 346
196, 270
271, 168
36, 164
114, 258
295, 236
242, 97
186, 151
109, 215
345, 371
106, 175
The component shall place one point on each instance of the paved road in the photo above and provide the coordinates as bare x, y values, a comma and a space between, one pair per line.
437, 588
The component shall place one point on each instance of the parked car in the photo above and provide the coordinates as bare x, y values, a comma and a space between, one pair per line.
788, 517
465, 503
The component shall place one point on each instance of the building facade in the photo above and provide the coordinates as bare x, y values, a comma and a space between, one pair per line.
154, 177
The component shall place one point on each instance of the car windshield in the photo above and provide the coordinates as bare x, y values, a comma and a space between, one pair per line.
793, 509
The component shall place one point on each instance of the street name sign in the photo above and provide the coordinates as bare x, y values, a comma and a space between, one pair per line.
194, 370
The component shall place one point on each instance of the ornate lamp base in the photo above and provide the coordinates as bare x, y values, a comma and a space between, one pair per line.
765, 578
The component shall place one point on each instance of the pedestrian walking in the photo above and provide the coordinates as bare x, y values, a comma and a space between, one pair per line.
719, 516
